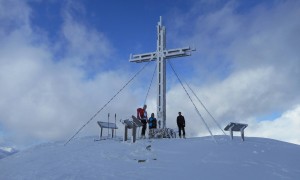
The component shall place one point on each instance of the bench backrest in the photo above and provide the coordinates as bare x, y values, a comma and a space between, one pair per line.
235, 126
128, 123
107, 125
137, 122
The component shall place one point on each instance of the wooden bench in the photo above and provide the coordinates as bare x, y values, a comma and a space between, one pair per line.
236, 127
106, 125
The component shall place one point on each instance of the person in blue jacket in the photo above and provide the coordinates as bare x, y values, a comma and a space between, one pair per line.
152, 122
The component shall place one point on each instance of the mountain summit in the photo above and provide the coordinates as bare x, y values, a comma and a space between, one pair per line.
192, 158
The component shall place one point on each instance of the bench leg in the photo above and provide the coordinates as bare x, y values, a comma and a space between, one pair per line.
125, 133
242, 135
134, 133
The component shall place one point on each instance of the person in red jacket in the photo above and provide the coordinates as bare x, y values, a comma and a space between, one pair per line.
181, 124
142, 116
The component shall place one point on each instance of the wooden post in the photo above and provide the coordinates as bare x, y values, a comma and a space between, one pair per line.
100, 135
125, 133
134, 133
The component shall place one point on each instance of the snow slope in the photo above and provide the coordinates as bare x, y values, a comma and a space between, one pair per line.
193, 158
6, 151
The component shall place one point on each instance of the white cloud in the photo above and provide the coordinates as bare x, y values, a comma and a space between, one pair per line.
285, 128
14, 14
85, 46
246, 64
43, 98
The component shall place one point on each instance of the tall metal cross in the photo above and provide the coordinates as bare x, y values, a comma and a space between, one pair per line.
160, 56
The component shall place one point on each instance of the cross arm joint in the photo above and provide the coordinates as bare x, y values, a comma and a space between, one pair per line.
138, 58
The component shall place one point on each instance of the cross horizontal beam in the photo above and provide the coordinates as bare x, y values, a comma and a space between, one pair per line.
160, 56
171, 53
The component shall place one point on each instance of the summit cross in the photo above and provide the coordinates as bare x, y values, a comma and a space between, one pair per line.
160, 56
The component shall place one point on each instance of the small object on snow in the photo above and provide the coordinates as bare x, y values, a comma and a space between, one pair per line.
141, 160
148, 147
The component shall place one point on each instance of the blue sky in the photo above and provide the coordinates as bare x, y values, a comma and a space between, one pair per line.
60, 61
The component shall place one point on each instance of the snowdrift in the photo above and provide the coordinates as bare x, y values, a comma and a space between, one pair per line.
193, 158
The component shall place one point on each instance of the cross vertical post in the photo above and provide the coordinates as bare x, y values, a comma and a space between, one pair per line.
160, 56
161, 73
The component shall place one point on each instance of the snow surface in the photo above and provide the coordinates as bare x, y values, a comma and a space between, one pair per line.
6, 151
192, 158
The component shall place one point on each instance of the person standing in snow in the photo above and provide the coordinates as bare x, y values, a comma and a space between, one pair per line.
142, 116
152, 122
181, 124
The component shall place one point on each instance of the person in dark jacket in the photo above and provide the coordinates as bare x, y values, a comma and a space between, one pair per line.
181, 124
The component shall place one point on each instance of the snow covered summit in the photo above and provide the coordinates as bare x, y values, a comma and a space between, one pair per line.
193, 158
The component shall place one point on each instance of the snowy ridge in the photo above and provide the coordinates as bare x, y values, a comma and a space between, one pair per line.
193, 158
7, 151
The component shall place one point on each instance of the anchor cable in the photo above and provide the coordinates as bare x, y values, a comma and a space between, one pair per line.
192, 102
205, 108
106, 104
150, 85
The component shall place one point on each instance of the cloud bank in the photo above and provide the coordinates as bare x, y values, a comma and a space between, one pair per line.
246, 65
245, 69
50, 89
